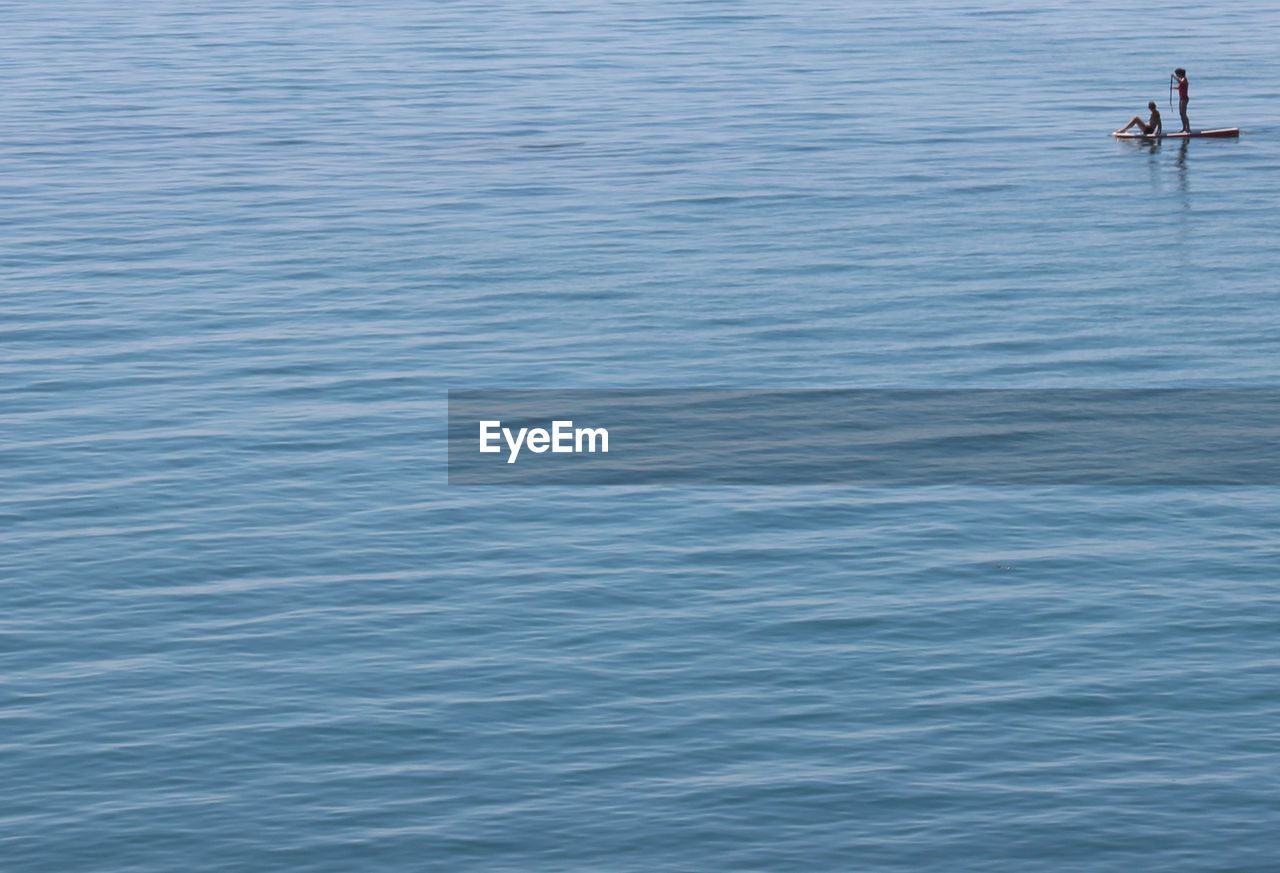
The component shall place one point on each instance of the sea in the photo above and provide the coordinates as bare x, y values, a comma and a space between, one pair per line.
247, 624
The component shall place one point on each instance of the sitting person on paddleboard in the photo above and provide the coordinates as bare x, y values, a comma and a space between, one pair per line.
1180, 78
1153, 127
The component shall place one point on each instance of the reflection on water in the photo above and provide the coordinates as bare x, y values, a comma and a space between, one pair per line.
1152, 148
1181, 164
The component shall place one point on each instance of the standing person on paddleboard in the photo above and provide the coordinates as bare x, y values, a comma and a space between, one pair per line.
1180, 78
1153, 127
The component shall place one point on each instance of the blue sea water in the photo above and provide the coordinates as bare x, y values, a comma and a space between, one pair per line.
248, 247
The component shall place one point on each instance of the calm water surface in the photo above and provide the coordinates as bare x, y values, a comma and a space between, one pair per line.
247, 247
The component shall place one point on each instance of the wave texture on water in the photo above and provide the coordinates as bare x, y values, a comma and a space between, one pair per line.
249, 247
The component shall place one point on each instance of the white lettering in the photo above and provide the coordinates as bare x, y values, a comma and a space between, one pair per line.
563, 438
538, 440
514, 444
590, 434
488, 435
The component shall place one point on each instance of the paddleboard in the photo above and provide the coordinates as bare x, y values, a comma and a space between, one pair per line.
1195, 134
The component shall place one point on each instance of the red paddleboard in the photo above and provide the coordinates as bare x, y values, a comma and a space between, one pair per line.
1195, 134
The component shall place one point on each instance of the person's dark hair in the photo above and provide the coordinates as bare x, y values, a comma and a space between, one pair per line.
1151, 104
1180, 73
